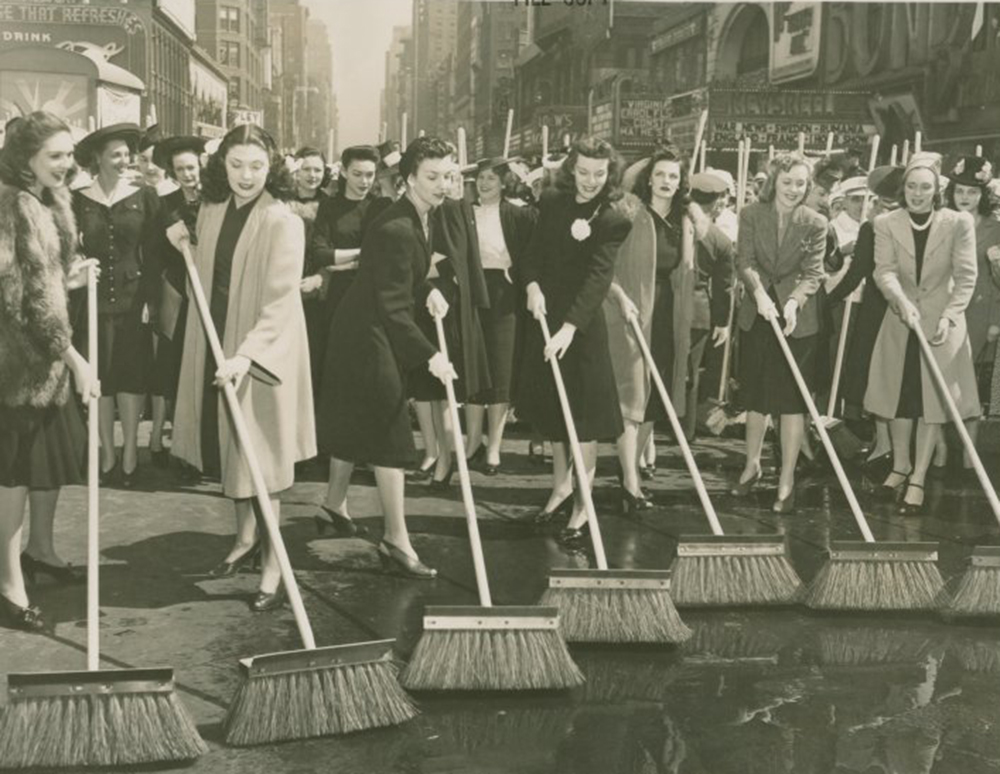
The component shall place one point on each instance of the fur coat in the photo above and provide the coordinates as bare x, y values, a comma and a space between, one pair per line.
37, 246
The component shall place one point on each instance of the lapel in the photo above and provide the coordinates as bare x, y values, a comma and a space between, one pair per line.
769, 235
418, 229
902, 234
210, 222
789, 241
940, 229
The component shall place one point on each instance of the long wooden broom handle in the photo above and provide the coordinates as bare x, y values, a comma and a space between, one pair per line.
949, 402
250, 455
93, 487
478, 562
574, 445
727, 348
675, 423
845, 484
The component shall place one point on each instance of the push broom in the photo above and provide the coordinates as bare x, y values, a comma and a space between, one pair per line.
97, 717
978, 592
486, 647
716, 569
314, 691
866, 575
602, 605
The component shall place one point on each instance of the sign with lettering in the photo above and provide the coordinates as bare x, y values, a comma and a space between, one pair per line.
795, 40
643, 121
775, 117
678, 34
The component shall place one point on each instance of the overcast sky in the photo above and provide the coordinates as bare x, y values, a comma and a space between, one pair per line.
360, 34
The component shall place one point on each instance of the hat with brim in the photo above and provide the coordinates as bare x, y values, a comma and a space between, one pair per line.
708, 183
854, 186
836, 193
95, 141
534, 176
972, 171
885, 181
163, 154
553, 160
496, 162
725, 177
149, 138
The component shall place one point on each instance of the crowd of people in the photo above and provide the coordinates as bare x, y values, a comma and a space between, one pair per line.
325, 283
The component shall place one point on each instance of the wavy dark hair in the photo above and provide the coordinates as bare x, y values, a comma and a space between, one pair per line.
784, 162
308, 152
420, 150
22, 142
985, 201
215, 182
358, 153
592, 148
644, 188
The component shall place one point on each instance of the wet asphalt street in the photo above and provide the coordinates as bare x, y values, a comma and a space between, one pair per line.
753, 692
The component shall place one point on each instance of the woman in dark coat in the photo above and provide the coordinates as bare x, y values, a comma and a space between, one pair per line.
180, 158
118, 224
42, 437
456, 270
504, 231
568, 272
374, 344
779, 257
885, 183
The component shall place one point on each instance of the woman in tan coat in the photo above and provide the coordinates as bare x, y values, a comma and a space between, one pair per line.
925, 266
250, 253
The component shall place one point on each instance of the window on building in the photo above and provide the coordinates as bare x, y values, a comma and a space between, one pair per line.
234, 89
229, 18
229, 53
754, 49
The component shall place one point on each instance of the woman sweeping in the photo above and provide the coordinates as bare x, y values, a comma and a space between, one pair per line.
43, 442
568, 272
504, 231
118, 225
374, 343
925, 266
779, 256
249, 257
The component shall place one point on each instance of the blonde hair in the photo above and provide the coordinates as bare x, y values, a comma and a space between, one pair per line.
784, 162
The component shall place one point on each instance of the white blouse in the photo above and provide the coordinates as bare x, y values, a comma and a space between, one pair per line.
492, 247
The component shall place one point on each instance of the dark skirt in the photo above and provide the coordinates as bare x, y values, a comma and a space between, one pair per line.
500, 333
911, 390
124, 353
861, 345
167, 359
768, 386
661, 346
590, 385
421, 384
43, 448
317, 329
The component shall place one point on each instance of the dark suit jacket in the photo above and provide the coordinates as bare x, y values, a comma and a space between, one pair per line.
518, 224
794, 268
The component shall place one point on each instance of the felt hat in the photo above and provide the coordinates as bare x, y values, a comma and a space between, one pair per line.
924, 160
709, 183
150, 137
390, 154
163, 154
93, 142
854, 185
724, 176
885, 181
972, 170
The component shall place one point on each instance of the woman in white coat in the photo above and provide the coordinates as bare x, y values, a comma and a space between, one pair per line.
925, 266
250, 253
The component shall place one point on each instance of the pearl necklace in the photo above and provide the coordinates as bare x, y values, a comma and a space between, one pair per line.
924, 227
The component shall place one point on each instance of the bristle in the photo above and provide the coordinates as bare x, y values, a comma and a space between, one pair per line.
621, 615
978, 593
877, 585
491, 660
723, 641
611, 679
734, 580
317, 702
89, 730
511, 728
977, 655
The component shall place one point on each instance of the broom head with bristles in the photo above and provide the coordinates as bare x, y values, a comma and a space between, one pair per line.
874, 646
879, 576
623, 606
978, 592
845, 442
718, 570
122, 717
307, 693
716, 416
491, 649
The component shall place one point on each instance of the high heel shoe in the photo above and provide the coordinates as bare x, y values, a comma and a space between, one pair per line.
888, 491
68, 575
128, 479
633, 504
442, 484
785, 504
912, 509
249, 559
160, 457
541, 517
647, 472
265, 601
477, 459
340, 524
27, 619
572, 537
744, 488
393, 559
110, 476
423, 473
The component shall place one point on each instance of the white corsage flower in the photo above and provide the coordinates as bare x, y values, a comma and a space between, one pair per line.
580, 229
